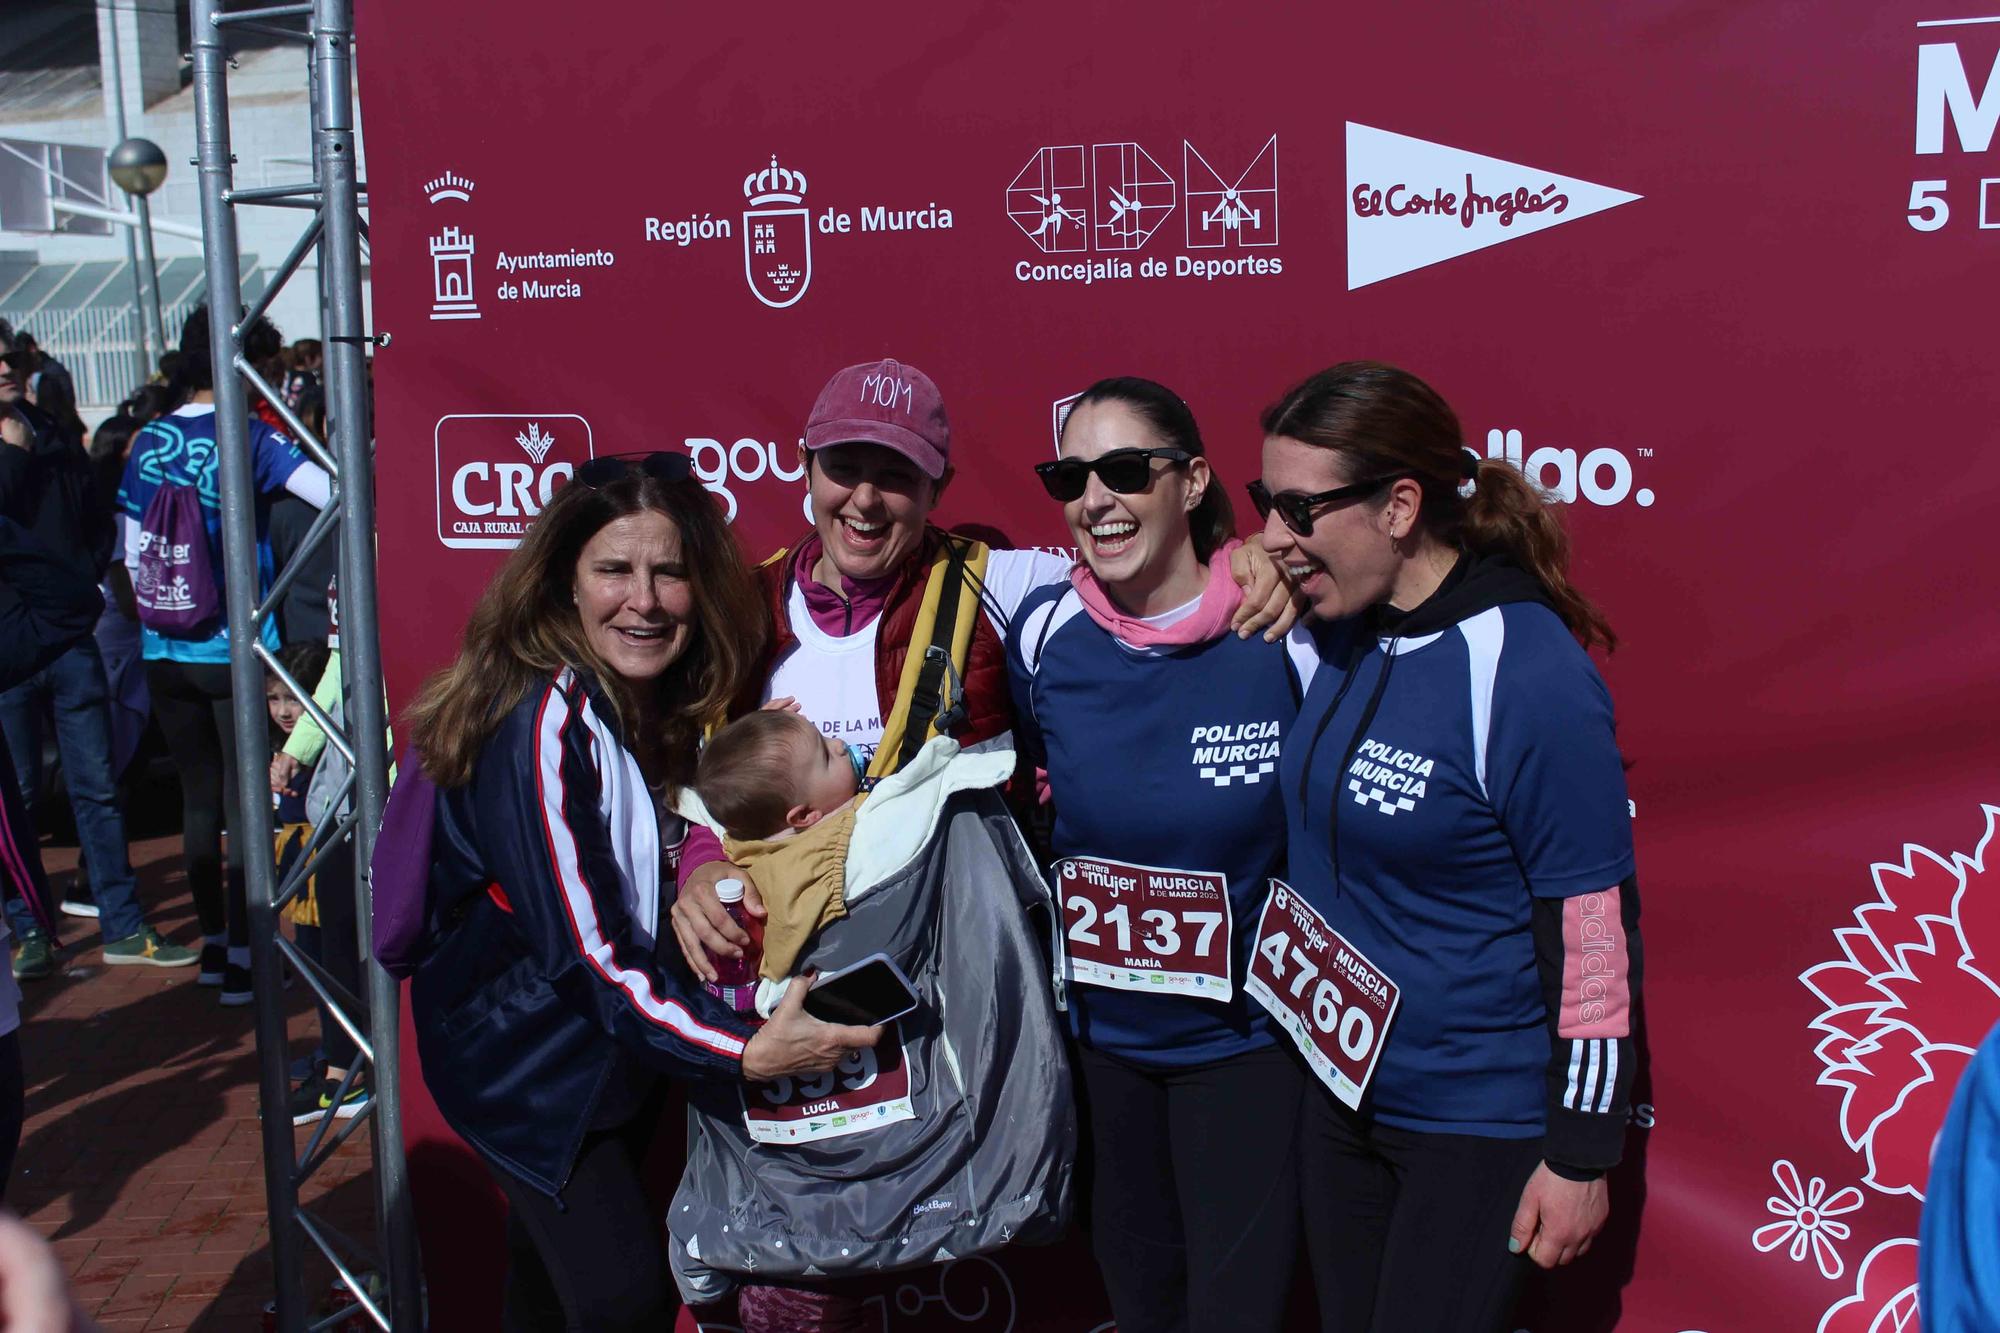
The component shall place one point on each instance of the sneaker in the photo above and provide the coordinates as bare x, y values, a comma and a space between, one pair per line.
312, 1101
236, 986
34, 959
214, 959
76, 901
148, 949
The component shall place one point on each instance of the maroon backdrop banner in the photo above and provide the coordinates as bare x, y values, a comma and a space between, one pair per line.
1712, 274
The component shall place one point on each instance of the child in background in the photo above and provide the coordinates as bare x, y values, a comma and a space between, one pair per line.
786, 798
307, 663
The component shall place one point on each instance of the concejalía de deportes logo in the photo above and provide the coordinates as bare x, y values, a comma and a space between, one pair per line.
1092, 209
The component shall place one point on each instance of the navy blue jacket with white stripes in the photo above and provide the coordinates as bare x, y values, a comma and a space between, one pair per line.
543, 994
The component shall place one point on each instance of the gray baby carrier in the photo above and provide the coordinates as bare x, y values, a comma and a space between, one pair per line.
958, 1135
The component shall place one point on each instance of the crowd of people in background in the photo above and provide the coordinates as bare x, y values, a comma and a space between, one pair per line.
83, 726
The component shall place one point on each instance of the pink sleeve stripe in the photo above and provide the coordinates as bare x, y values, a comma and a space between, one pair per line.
1597, 984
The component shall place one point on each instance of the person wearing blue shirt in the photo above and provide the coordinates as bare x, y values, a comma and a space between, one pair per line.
1159, 730
1460, 828
1958, 1250
188, 677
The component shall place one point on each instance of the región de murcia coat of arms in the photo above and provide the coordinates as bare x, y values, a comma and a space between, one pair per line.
777, 235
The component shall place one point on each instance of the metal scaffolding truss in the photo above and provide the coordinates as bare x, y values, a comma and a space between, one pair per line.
334, 227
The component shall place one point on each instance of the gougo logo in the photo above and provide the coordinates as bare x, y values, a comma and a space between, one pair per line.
720, 467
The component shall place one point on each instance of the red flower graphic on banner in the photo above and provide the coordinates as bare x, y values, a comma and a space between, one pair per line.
1885, 1294
1916, 990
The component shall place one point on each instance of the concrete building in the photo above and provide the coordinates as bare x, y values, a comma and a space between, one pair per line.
67, 71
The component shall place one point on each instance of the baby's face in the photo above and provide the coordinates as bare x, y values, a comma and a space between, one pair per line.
825, 778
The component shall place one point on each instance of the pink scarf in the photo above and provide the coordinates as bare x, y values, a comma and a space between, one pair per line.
1210, 619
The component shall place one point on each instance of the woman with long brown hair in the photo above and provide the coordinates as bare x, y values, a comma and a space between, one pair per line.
547, 1009
1457, 951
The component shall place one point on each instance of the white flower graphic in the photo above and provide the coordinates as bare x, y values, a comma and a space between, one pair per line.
1806, 1219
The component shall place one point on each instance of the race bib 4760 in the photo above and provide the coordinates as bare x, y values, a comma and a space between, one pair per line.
1335, 1004
1143, 928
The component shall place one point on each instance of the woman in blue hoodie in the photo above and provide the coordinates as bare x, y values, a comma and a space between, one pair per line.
1460, 957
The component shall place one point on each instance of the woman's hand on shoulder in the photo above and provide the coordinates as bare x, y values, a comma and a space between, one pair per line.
1270, 603
794, 1042
703, 926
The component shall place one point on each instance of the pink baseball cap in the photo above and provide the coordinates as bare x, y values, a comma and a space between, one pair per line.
888, 403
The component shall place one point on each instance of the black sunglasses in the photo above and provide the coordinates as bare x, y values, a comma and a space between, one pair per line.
1298, 510
1126, 471
607, 468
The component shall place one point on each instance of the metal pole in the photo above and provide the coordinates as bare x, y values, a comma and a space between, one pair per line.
146, 352
251, 821
155, 326
350, 431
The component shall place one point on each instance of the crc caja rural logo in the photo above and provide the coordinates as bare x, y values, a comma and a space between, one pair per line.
495, 471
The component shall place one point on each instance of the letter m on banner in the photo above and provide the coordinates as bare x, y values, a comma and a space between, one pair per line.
1942, 84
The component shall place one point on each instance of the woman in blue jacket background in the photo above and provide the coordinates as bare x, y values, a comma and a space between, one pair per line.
547, 1007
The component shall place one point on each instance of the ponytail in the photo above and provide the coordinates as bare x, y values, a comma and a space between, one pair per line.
1383, 420
1506, 515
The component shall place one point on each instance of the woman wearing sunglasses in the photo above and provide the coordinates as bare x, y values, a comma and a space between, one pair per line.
1160, 730
550, 1004
1458, 819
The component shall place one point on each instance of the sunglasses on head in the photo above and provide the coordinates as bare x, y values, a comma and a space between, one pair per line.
1126, 471
1299, 509
607, 468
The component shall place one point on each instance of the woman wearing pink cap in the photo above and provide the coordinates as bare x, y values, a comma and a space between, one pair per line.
845, 605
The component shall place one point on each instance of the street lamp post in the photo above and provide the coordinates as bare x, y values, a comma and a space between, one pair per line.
139, 167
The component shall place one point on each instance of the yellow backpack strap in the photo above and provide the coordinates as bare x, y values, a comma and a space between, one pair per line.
930, 696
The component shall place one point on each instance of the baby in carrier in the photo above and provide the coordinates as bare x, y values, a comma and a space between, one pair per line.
786, 798
955, 1135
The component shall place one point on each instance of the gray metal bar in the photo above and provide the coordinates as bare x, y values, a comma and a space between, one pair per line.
326, 522
275, 30
300, 249
246, 672
301, 433
321, 848
361, 648
147, 355
354, 1284
156, 327
259, 194
337, 999
218, 19
335, 733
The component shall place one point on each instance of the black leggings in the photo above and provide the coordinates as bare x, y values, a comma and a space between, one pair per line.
1193, 1197
1406, 1230
595, 1261
340, 948
195, 711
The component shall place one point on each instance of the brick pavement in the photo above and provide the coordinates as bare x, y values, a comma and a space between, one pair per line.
141, 1159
